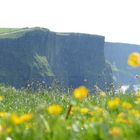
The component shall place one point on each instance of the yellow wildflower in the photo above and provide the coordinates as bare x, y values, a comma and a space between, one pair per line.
15, 119
138, 93
114, 103
84, 111
121, 115
80, 92
8, 130
122, 118
74, 109
20, 119
1, 98
4, 130
3, 114
99, 114
54, 109
137, 101
135, 113
1, 130
126, 105
115, 131
26, 117
134, 59
124, 121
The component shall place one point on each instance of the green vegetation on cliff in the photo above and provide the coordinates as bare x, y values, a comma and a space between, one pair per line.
14, 32
42, 66
8, 30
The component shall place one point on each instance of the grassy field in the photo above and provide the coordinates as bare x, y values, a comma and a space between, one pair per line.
54, 115
13, 32
8, 30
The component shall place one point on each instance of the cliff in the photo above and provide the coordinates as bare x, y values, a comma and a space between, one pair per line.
37, 54
117, 55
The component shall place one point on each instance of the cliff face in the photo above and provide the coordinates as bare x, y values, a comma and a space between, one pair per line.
39, 54
117, 55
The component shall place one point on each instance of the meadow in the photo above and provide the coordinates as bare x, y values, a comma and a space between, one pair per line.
77, 114
74, 115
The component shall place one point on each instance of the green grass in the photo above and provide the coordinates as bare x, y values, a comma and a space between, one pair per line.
8, 30
41, 63
95, 125
14, 32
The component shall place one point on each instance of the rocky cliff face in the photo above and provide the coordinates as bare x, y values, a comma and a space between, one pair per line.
117, 55
39, 54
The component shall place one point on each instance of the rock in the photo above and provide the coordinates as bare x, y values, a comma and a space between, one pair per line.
37, 54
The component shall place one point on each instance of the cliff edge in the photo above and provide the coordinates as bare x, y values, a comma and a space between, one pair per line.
37, 54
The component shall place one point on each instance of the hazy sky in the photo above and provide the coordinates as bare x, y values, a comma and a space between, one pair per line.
117, 20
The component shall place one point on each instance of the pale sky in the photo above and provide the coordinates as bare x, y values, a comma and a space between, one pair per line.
117, 20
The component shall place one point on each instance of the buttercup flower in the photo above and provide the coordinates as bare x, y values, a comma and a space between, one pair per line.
137, 101
135, 113
121, 115
3, 114
123, 120
81, 92
115, 131
54, 109
20, 119
84, 111
1, 98
134, 59
138, 93
126, 105
74, 109
4, 130
114, 103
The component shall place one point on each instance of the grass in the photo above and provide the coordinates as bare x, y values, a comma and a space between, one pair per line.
8, 30
101, 121
14, 32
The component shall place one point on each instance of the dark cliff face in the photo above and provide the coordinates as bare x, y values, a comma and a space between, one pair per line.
72, 58
117, 55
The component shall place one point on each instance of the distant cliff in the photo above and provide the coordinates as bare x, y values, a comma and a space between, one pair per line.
117, 55
37, 54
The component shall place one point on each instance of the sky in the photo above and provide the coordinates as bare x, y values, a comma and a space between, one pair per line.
117, 20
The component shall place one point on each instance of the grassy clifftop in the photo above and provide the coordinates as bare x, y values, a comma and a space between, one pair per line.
12, 32
8, 30
15, 32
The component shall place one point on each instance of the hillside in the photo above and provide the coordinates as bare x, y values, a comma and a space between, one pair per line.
36, 54
117, 55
